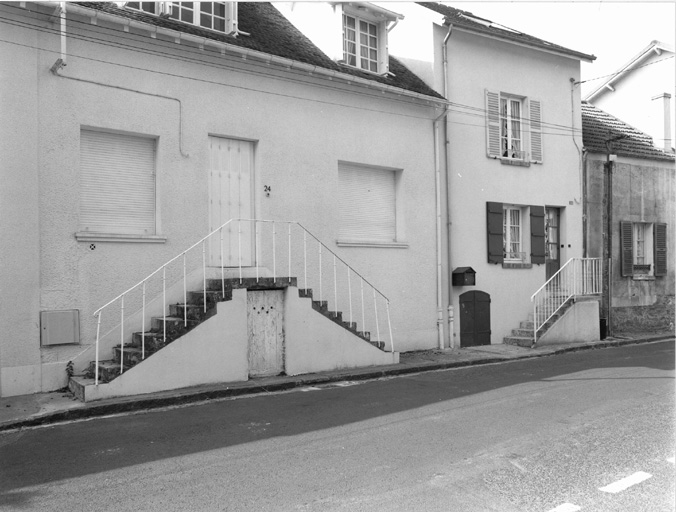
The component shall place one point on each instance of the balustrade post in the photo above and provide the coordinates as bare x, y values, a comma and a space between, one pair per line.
289, 276
305, 255
96, 355
274, 255
349, 293
204, 275
122, 335
143, 324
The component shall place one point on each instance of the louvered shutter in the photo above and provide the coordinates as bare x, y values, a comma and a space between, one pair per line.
494, 232
535, 113
117, 183
627, 248
493, 124
537, 234
367, 204
660, 243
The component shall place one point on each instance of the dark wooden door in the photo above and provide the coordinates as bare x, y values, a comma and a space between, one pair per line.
552, 254
475, 319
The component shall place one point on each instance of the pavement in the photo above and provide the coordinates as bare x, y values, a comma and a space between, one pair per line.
25, 411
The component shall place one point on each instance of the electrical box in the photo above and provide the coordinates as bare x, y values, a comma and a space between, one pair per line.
464, 276
59, 327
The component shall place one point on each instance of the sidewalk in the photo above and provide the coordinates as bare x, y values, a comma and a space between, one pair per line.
46, 408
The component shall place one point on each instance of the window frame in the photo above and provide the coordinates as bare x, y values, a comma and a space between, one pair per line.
531, 233
654, 249
350, 240
507, 128
379, 18
174, 10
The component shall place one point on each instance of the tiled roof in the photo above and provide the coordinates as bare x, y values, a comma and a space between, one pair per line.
271, 33
599, 126
469, 21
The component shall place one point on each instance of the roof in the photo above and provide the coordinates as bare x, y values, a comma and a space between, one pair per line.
655, 46
472, 23
271, 33
599, 126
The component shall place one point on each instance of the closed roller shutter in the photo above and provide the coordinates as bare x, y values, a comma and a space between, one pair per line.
367, 204
117, 183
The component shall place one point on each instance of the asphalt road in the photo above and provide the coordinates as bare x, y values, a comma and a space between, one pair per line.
590, 431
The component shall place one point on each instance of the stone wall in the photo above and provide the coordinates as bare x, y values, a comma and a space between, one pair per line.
654, 318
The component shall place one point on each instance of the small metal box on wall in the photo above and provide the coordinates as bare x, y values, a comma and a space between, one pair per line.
59, 327
464, 276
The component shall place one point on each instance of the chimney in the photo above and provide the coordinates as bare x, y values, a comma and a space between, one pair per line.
665, 116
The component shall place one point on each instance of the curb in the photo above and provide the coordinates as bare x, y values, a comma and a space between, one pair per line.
148, 403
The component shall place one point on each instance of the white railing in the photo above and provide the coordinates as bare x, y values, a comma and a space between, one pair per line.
579, 276
260, 245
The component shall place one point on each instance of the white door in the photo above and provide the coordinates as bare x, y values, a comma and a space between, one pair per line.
265, 327
231, 197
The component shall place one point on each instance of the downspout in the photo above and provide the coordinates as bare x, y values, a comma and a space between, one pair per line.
61, 61
450, 309
437, 173
585, 205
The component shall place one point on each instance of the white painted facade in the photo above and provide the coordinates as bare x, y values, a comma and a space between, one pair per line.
301, 125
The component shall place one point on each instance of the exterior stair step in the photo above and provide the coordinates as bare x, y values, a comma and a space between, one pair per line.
132, 355
197, 298
108, 370
518, 340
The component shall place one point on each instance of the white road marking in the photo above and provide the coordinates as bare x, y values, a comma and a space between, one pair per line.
566, 507
625, 483
309, 388
672, 460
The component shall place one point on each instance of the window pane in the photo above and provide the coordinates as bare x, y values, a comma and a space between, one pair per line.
219, 9
206, 7
205, 20
219, 24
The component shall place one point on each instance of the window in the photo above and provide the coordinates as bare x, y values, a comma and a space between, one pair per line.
117, 184
513, 128
643, 248
508, 227
365, 27
368, 205
218, 16
360, 43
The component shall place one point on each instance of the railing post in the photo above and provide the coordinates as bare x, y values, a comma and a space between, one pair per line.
375, 305
349, 293
257, 242
305, 256
122, 335
389, 324
204, 274
363, 313
335, 286
222, 266
164, 305
289, 277
239, 248
274, 255
320, 271
143, 324
185, 296
96, 355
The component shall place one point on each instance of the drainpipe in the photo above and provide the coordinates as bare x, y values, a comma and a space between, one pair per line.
585, 203
451, 312
61, 61
437, 173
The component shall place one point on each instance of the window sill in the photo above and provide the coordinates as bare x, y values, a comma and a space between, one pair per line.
84, 236
518, 163
514, 264
356, 243
368, 71
642, 277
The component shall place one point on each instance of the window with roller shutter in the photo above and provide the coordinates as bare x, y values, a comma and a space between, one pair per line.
117, 183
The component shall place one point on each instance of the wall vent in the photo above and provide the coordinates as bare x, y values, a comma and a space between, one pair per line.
59, 327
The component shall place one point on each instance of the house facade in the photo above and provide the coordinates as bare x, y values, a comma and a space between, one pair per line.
513, 164
137, 130
640, 93
630, 207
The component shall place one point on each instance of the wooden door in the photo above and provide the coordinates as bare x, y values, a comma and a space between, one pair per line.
231, 197
552, 254
475, 319
265, 326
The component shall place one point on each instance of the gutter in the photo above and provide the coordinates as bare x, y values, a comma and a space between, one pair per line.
244, 53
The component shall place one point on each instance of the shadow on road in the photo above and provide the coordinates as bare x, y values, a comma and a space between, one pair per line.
60, 452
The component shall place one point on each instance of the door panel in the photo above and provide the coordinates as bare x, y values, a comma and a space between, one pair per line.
231, 197
475, 319
265, 327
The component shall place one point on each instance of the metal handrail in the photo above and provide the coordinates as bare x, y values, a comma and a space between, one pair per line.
578, 276
257, 242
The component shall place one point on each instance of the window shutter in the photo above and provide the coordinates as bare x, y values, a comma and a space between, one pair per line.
660, 242
535, 130
494, 232
537, 234
117, 183
493, 124
367, 204
627, 248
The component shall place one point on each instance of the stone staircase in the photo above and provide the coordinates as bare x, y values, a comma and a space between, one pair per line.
217, 290
523, 336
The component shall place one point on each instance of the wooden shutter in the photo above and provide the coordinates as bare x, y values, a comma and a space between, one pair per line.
627, 248
493, 124
494, 232
535, 113
660, 243
537, 234
117, 183
367, 204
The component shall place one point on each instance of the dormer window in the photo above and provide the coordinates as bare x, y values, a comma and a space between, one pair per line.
217, 16
365, 28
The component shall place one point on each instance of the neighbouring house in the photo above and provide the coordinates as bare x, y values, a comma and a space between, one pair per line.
140, 128
640, 93
630, 212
